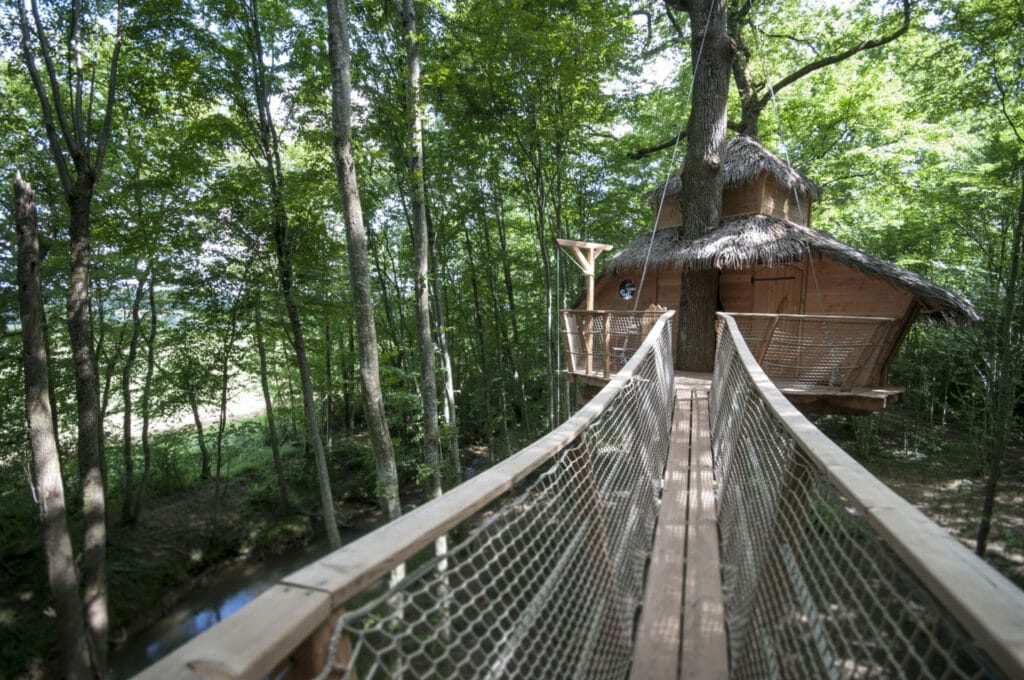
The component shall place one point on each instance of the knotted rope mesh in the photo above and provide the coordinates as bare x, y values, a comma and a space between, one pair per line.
811, 590
547, 581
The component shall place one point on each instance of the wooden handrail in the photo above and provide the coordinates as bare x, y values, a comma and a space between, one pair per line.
263, 634
984, 602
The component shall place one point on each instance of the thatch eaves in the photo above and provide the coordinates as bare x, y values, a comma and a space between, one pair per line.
744, 241
744, 159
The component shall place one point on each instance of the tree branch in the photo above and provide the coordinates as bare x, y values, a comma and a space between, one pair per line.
671, 141
44, 101
51, 73
108, 115
1002, 104
660, 146
672, 19
841, 56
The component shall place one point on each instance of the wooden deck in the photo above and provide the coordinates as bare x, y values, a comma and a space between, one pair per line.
681, 632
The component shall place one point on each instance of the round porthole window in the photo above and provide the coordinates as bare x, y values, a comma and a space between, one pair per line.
627, 289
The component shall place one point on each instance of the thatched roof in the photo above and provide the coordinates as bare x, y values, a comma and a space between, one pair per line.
743, 161
747, 240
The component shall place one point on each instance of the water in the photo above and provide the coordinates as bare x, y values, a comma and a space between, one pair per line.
201, 609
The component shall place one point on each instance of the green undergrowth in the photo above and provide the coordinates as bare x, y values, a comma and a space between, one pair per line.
177, 545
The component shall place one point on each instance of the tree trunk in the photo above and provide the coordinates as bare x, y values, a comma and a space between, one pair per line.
204, 451
222, 418
516, 347
126, 396
421, 250
275, 444
344, 165
482, 355
269, 143
147, 389
711, 53
350, 380
1005, 382
49, 485
449, 410
90, 457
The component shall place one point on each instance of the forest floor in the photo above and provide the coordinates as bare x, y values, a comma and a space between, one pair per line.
940, 471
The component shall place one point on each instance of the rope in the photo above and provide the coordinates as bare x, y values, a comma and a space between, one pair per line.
672, 161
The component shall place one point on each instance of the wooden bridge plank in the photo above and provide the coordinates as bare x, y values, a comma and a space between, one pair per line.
704, 649
656, 652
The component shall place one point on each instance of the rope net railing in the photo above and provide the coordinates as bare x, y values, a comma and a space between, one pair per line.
826, 572
808, 351
546, 580
599, 343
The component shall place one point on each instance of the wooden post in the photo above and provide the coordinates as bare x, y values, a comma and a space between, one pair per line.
586, 263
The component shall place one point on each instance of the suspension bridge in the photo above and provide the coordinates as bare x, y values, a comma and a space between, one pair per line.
677, 526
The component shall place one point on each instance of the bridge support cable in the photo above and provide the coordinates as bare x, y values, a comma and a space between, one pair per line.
544, 581
828, 573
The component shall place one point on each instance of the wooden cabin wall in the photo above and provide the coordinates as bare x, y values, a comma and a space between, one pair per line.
778, 201
829, 287
671, 214
661, 288
744, 200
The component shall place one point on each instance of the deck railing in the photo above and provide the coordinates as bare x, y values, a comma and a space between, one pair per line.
544, 578
808, 350
827, 573
599, 343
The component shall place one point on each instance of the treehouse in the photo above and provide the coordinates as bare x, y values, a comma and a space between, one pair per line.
822, 318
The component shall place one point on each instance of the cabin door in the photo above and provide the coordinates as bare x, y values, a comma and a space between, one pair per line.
777, 290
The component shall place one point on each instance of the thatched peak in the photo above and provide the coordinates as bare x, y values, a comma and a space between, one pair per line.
744, 241
744, 159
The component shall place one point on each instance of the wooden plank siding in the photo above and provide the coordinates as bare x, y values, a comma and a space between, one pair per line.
681, 631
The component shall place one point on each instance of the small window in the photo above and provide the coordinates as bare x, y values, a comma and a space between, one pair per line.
627, 289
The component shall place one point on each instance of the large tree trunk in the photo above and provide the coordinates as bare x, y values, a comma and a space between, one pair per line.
711, 52
1005, 381
421, 250
275, 444
49, 485
344, 165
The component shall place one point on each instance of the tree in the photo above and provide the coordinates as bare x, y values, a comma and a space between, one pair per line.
991, 39
348, 188
421, 244
266, 153
711, 51
49, 486
73, 134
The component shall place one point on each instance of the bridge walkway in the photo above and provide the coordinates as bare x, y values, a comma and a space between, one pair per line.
681, 632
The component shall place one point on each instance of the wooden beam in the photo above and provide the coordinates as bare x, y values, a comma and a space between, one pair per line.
585, 262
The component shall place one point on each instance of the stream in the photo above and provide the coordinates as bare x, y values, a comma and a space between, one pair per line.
233, 588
